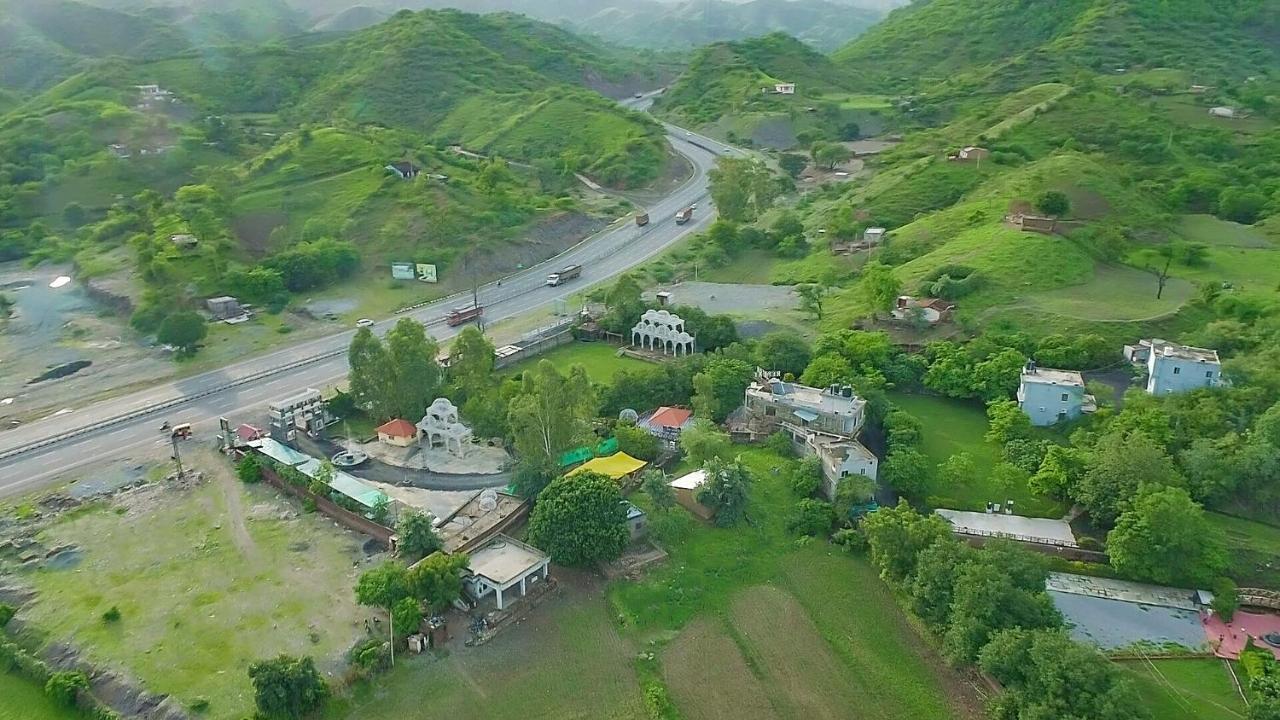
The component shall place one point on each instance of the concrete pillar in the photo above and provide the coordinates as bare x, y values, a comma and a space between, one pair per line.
498, 591
522, 591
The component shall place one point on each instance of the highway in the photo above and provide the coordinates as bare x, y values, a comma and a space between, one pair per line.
36, 454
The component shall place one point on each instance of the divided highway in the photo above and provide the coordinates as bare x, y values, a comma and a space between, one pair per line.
35, 454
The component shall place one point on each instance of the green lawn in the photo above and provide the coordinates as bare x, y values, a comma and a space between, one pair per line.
207, 581
953, 426
1211, 230
1250, 270
1193, 689
22, 699
1115, 293
1254, 550
601, 360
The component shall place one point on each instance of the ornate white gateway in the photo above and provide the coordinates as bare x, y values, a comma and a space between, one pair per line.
441, 427
661, 331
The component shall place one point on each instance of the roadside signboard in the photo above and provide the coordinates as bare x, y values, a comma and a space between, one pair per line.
427, 272
402, 271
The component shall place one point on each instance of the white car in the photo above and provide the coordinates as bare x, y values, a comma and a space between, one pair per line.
364, 322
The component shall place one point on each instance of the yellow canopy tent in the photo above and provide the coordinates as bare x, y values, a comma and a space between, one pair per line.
617, 466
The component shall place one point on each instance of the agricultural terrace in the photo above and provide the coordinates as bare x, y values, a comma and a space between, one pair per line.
207, 581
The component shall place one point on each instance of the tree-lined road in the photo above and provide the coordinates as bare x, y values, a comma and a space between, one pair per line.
36, 454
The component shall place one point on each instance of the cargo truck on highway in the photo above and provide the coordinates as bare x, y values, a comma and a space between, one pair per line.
684, 216
642, 219
565, 275
458, 316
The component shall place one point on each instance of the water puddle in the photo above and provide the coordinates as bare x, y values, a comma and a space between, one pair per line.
65, 560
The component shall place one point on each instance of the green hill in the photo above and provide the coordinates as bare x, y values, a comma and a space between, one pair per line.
1013, 43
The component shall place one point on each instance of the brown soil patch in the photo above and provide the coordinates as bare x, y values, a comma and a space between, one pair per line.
709, 678
807, 679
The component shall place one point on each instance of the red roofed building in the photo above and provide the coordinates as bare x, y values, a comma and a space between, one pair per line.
400, 433
246, 433
666, 422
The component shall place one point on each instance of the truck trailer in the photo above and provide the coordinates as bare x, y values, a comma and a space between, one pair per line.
564, 275
458, 316
684, 216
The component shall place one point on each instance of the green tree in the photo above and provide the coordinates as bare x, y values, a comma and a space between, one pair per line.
552, 412
725, 491
933, 584
1047, 675
184, 330
784, 351
958, 469
1119, 465
383, 585
65, 686
831, 154
907, 470
720, 387
998, 377
406, 616
370, 377
636, 441
703, 441
1164, 537
1058, 473
1054, 203
1006, 422
897, 535
654, 484
416, 375
470, 362
1241, 204
792, 163
249, 469
418, 538
741, 188
852, 491
625, 306
1226, 598
878, 287
436, 580
986, 599
811, 517
287, 688
580, 520
902, 429
812, 296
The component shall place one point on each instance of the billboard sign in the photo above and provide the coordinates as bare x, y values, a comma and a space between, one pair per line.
402, 271
427, 272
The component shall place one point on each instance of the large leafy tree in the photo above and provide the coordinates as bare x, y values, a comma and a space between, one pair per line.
1119, 465
418, 538
785, 352
551, 413
907, 470
1047, 675
703, 441
1166, 538
720, 387
741, 188
436, 580
417, 376
580, 520
470, 363
625, 305
987, 599
725, 490
370, 377
183, 330
878, 287
287, 688
897, 535
655, 485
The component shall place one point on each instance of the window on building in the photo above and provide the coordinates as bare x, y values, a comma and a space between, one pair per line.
862, 471
769, 411
1208, 373
1064, 397
1177, 371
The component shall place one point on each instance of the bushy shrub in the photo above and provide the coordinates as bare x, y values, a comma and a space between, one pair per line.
112, 615
811, 517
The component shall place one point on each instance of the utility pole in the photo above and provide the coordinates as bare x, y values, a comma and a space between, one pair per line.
177, 454
391, 623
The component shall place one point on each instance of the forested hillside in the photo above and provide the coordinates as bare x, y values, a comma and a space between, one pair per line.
273, 156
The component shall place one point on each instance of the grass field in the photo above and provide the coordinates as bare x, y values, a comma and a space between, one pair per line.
953, 426
207, 581
791, 631
1251, 270
22, 699
1254, 550
1115, 293
565, 660
1210, 230
1193, 689
601, 360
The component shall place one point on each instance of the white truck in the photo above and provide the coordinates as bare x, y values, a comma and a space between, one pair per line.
564, 275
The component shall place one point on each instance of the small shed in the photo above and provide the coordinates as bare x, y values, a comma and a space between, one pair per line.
397, 432
637, 522
1222, 111
404, 169
224, 307
686, 490
185, 241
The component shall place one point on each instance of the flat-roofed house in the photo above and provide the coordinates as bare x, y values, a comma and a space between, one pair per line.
502, 565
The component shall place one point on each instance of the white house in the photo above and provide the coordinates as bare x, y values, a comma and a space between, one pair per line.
1222, 111
873, 236
785, 88
1049, 396
1174, 368
501, 565
823, 422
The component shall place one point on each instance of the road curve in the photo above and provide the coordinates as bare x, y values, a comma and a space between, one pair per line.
34, 455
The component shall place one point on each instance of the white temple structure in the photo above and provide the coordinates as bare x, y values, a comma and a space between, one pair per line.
661, 331
441, 428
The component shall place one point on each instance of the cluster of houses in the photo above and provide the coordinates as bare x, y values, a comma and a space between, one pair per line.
1049, 396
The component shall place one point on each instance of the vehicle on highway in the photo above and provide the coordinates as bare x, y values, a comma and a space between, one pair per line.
458, 316
684, 216
181, 431
165, 427
564, 275
642, 219
364, 322
639, 95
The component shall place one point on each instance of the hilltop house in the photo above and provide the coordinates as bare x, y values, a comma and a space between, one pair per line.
873, 236
1050, 396
185, 241
970, 154
784, 88
824, 422
404, 169
1174, 368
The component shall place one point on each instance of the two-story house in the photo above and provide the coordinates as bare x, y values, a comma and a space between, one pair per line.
821, 421
1050, 396
1174, 368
